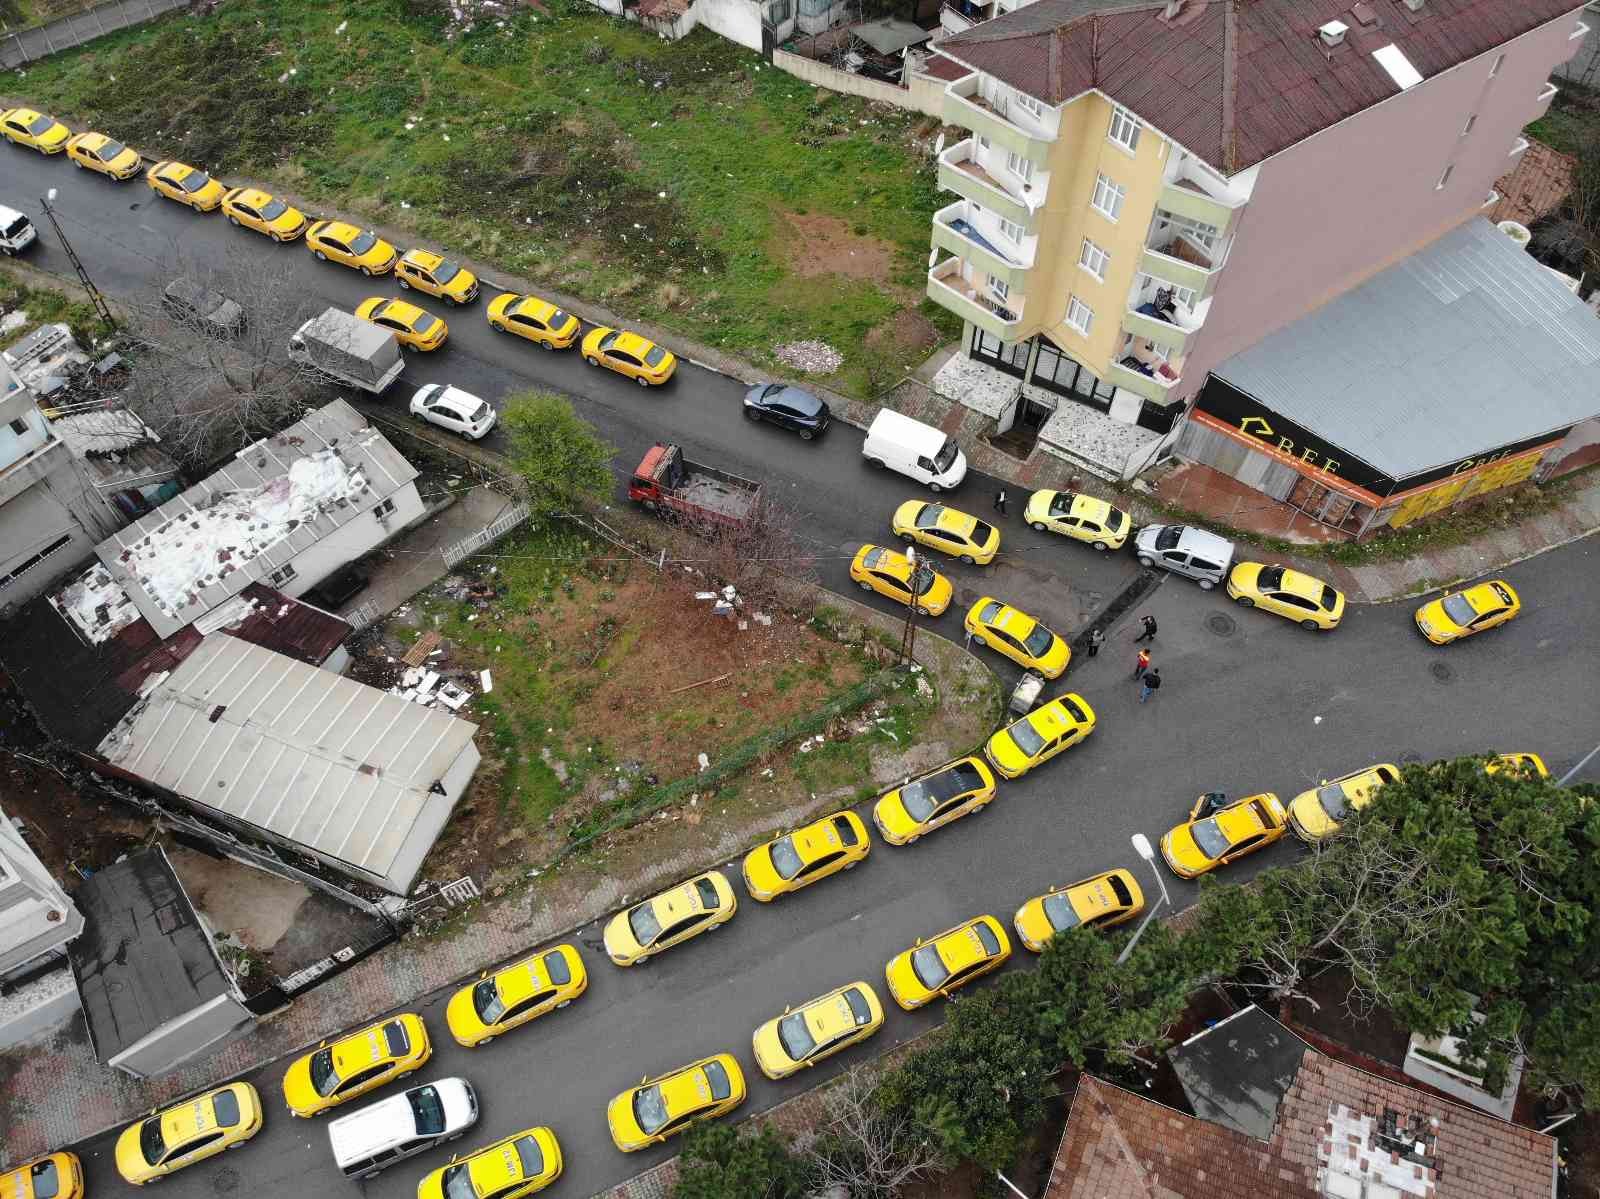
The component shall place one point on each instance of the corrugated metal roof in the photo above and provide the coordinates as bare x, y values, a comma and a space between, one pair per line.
1466, 346
377, 467
340, 767
1285, 84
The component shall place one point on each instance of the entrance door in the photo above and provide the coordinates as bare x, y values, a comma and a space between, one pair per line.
1035, 412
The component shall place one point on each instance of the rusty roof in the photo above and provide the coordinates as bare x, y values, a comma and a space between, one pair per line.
1235, 81
941, 67
1535, 187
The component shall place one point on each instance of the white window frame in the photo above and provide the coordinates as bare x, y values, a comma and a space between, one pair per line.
1011, 231
1020, 165
1124, 129
1199, 232
1500, 61
1079, 315
1471, 121
1030, 105
1444, 177
999, 288
1093, 259
1109, 197
1183, 295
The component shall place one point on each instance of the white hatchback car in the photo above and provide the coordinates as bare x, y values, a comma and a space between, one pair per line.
451, 408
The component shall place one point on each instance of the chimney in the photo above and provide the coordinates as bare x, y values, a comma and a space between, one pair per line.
1415, 5
1332, 34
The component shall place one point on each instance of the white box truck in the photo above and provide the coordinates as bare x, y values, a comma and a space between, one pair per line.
348, 349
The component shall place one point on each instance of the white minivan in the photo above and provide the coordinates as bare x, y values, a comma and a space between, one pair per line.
16, 231
918, 451
401, 1126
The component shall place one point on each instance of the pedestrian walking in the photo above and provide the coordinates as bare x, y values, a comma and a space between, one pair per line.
1149, 633
1097, 638
1141, 664
1000, 501
1150, 684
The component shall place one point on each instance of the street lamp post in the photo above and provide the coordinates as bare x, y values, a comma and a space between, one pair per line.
95, 298
908, 634
1141, 845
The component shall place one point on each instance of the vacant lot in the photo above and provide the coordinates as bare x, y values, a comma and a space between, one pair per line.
686, 182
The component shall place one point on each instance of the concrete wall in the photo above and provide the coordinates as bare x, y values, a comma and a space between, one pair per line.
842, 81
39, 1008
351, 541
1343, 204
38, 516
737, 20
36, 917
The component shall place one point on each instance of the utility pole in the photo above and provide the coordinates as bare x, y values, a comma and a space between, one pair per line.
95, 298
908, 633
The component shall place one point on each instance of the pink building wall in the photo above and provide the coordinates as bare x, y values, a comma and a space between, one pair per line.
1347, 202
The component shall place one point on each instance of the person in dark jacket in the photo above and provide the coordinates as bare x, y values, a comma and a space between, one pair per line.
1150, 684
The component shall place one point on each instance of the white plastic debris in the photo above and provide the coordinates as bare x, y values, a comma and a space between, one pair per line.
485, 681
705, 762
342, 26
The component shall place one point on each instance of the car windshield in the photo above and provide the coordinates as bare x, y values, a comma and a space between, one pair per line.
946, 457
1073, 710
1168, 537
394, 1036
986, 938
1061, 503
1060, 912
457, 1183
1208, 836
1333, 801
655, 356
226, 1106
784, 858
646, 928
323, 1076
558, 318
109, 151
46, 1180
928, 518
1027, 738
859, 1011
721, 1088
1039, 641
610, 339
988, 612
445, 272
40, 125
1270, 578
796, 1037
531, 1157
273, 209
15, 228
649, 1109
929, 967
980, 532
486, 1001
363, 242
555, 965
923, 796
922, 580
424, 322
428, 1109
195, 180
151, 1144
1459, 608
1329, 599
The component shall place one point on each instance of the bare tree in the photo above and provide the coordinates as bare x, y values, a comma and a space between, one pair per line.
767, 560
858, 1145
213, 371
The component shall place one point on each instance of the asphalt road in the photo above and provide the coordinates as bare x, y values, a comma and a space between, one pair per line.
1251, 703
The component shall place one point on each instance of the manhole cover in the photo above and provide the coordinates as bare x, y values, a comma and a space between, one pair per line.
1442, 672
225, 1181
1221, 624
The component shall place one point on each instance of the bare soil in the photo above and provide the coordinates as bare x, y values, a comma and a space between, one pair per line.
68, 831
825, 245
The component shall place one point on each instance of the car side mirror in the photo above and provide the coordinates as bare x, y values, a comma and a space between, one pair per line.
644, 1080
484, 974
919, 941
1052, 891
322, 1044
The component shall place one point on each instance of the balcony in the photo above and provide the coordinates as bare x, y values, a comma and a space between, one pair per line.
1547, 94
1189, 197
964, 105
1171, 327
1157, 388
949, 286
1181, 259
961, 172
953, 20
953, 230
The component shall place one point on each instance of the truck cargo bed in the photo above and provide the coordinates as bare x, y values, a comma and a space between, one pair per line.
714, 495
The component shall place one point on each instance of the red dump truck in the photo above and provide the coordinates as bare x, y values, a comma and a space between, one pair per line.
666, 482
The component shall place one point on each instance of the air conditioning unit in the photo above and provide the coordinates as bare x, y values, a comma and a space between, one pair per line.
1332, 34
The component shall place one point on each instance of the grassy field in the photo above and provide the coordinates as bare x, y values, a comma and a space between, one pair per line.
687, 183
44, 306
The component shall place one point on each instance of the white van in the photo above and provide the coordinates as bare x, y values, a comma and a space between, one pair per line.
401, 1126
919, 451
1196, 554
16, 230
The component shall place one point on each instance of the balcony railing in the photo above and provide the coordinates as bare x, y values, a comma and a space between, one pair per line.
1172, 325
964, 105
960, 172
1155, 387
949, 288
953, 20
1181, 260
953, 231
1547, 94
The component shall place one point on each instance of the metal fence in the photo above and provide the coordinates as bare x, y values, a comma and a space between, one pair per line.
21, 46
359, 618
474, 542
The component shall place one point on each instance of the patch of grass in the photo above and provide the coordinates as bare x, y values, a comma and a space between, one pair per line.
559, 143
46, 306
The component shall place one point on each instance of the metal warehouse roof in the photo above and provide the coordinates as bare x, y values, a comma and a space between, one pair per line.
1466, 346
342, 768
278, 497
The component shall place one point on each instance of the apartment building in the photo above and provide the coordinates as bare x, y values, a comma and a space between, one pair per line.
1148, 189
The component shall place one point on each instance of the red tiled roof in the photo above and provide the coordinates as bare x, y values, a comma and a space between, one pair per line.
1234, 81
1535, 187
941, 67
1119, 1145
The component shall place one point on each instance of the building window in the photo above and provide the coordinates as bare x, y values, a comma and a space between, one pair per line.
383, 509
20, 426
1471, 121
1080, 316
779, 12
1011, 231
1184, 295
1019, 166
1029, 105
983, 142
1124, 129
1202, 234
282, 575
1108, 197
1445, 178
1500, 61
1057, 372
1094, 260
1013, 359
27, 564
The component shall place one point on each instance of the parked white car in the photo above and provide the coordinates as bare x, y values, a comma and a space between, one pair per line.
451, 408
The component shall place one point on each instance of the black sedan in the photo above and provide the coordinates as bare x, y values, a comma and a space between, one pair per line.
787, 407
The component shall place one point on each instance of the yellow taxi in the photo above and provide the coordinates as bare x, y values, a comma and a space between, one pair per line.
892, 574
637, 934
188, 1132
805, 856
1316, 813
1078, 516
1099, 902
1040, 735
948, 530
1530, 764
1458, 614
185, 184
1202, 843
538, 320
58, 1176
1302, 598
479, 1012
436, 275
956, 789
664, 1106
105, 155
252, 208
413, 327
524, 1163
353, 1065
954, 958
344, 243
639, 358
1018, 636
803, 1036
26, 127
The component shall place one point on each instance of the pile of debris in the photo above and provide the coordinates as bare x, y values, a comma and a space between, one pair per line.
51, 364
813, 357
424, 681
